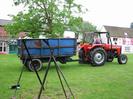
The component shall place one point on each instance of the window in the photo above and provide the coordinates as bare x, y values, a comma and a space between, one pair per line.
127, 49
0, 46
0, 49
115, 39
3, 46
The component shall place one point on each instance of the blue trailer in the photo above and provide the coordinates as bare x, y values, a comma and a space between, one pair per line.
40, 50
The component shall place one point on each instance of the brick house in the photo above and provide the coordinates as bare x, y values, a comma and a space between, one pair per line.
4, 48
121, 36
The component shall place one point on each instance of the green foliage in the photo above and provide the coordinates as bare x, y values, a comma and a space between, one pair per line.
83, 27
88, 27
51, 17
24, 22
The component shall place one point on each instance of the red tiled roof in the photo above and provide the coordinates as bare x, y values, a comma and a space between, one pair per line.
3, 33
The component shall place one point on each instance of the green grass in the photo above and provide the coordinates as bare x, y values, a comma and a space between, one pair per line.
111, 81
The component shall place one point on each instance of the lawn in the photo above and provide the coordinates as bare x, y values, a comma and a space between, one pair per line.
111, 81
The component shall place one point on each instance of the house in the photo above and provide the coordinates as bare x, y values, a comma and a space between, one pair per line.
121, 36
4, 47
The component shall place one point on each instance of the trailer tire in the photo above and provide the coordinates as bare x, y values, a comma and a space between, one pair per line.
24, 62
35, 62
122, 59
98, 57
62, 60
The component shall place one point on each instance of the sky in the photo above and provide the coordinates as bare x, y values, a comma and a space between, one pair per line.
100, 12
7, 8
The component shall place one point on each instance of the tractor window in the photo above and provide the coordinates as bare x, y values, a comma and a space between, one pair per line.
88, 38
97, 41
92, 38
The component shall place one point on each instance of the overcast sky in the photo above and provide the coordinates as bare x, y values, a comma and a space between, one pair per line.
6, 8
101, 12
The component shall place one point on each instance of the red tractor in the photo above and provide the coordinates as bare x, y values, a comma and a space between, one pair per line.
97, 49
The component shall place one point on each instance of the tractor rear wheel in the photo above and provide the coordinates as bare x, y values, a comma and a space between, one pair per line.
122, 59
98, 57
110, 59
81, 56
35, 64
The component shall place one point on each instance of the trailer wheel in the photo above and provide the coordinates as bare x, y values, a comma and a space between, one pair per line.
122, 59
98, 57
25, 63
62, 60
35, 62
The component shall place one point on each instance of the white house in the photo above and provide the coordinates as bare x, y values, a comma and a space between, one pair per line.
69, 34
4, 48
120, 36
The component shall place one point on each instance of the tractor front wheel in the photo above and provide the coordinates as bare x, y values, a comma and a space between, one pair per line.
122, 59
98, 57
34, 64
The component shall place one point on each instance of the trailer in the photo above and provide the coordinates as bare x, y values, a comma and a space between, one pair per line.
40, 51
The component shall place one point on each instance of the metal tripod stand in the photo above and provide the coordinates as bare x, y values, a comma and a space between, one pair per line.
42, 82
59, 73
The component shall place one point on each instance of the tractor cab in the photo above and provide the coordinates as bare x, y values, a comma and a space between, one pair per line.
97, 38
97, 48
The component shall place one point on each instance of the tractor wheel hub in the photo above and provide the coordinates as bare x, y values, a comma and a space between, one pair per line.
98, 57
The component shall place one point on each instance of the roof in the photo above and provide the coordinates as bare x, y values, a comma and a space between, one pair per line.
4, 22
119, 31
3, 33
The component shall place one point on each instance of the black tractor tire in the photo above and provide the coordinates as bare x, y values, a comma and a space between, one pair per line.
98, 57
122, 59
110, 59
81, 56
35, 62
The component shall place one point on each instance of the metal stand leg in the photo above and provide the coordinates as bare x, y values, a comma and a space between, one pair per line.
31, 62
60, 75
59, 69
17, 86
44, 79
58, 72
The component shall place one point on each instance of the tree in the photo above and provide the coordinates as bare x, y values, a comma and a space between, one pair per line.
50, 17
84, 27
24, 22
88, 27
